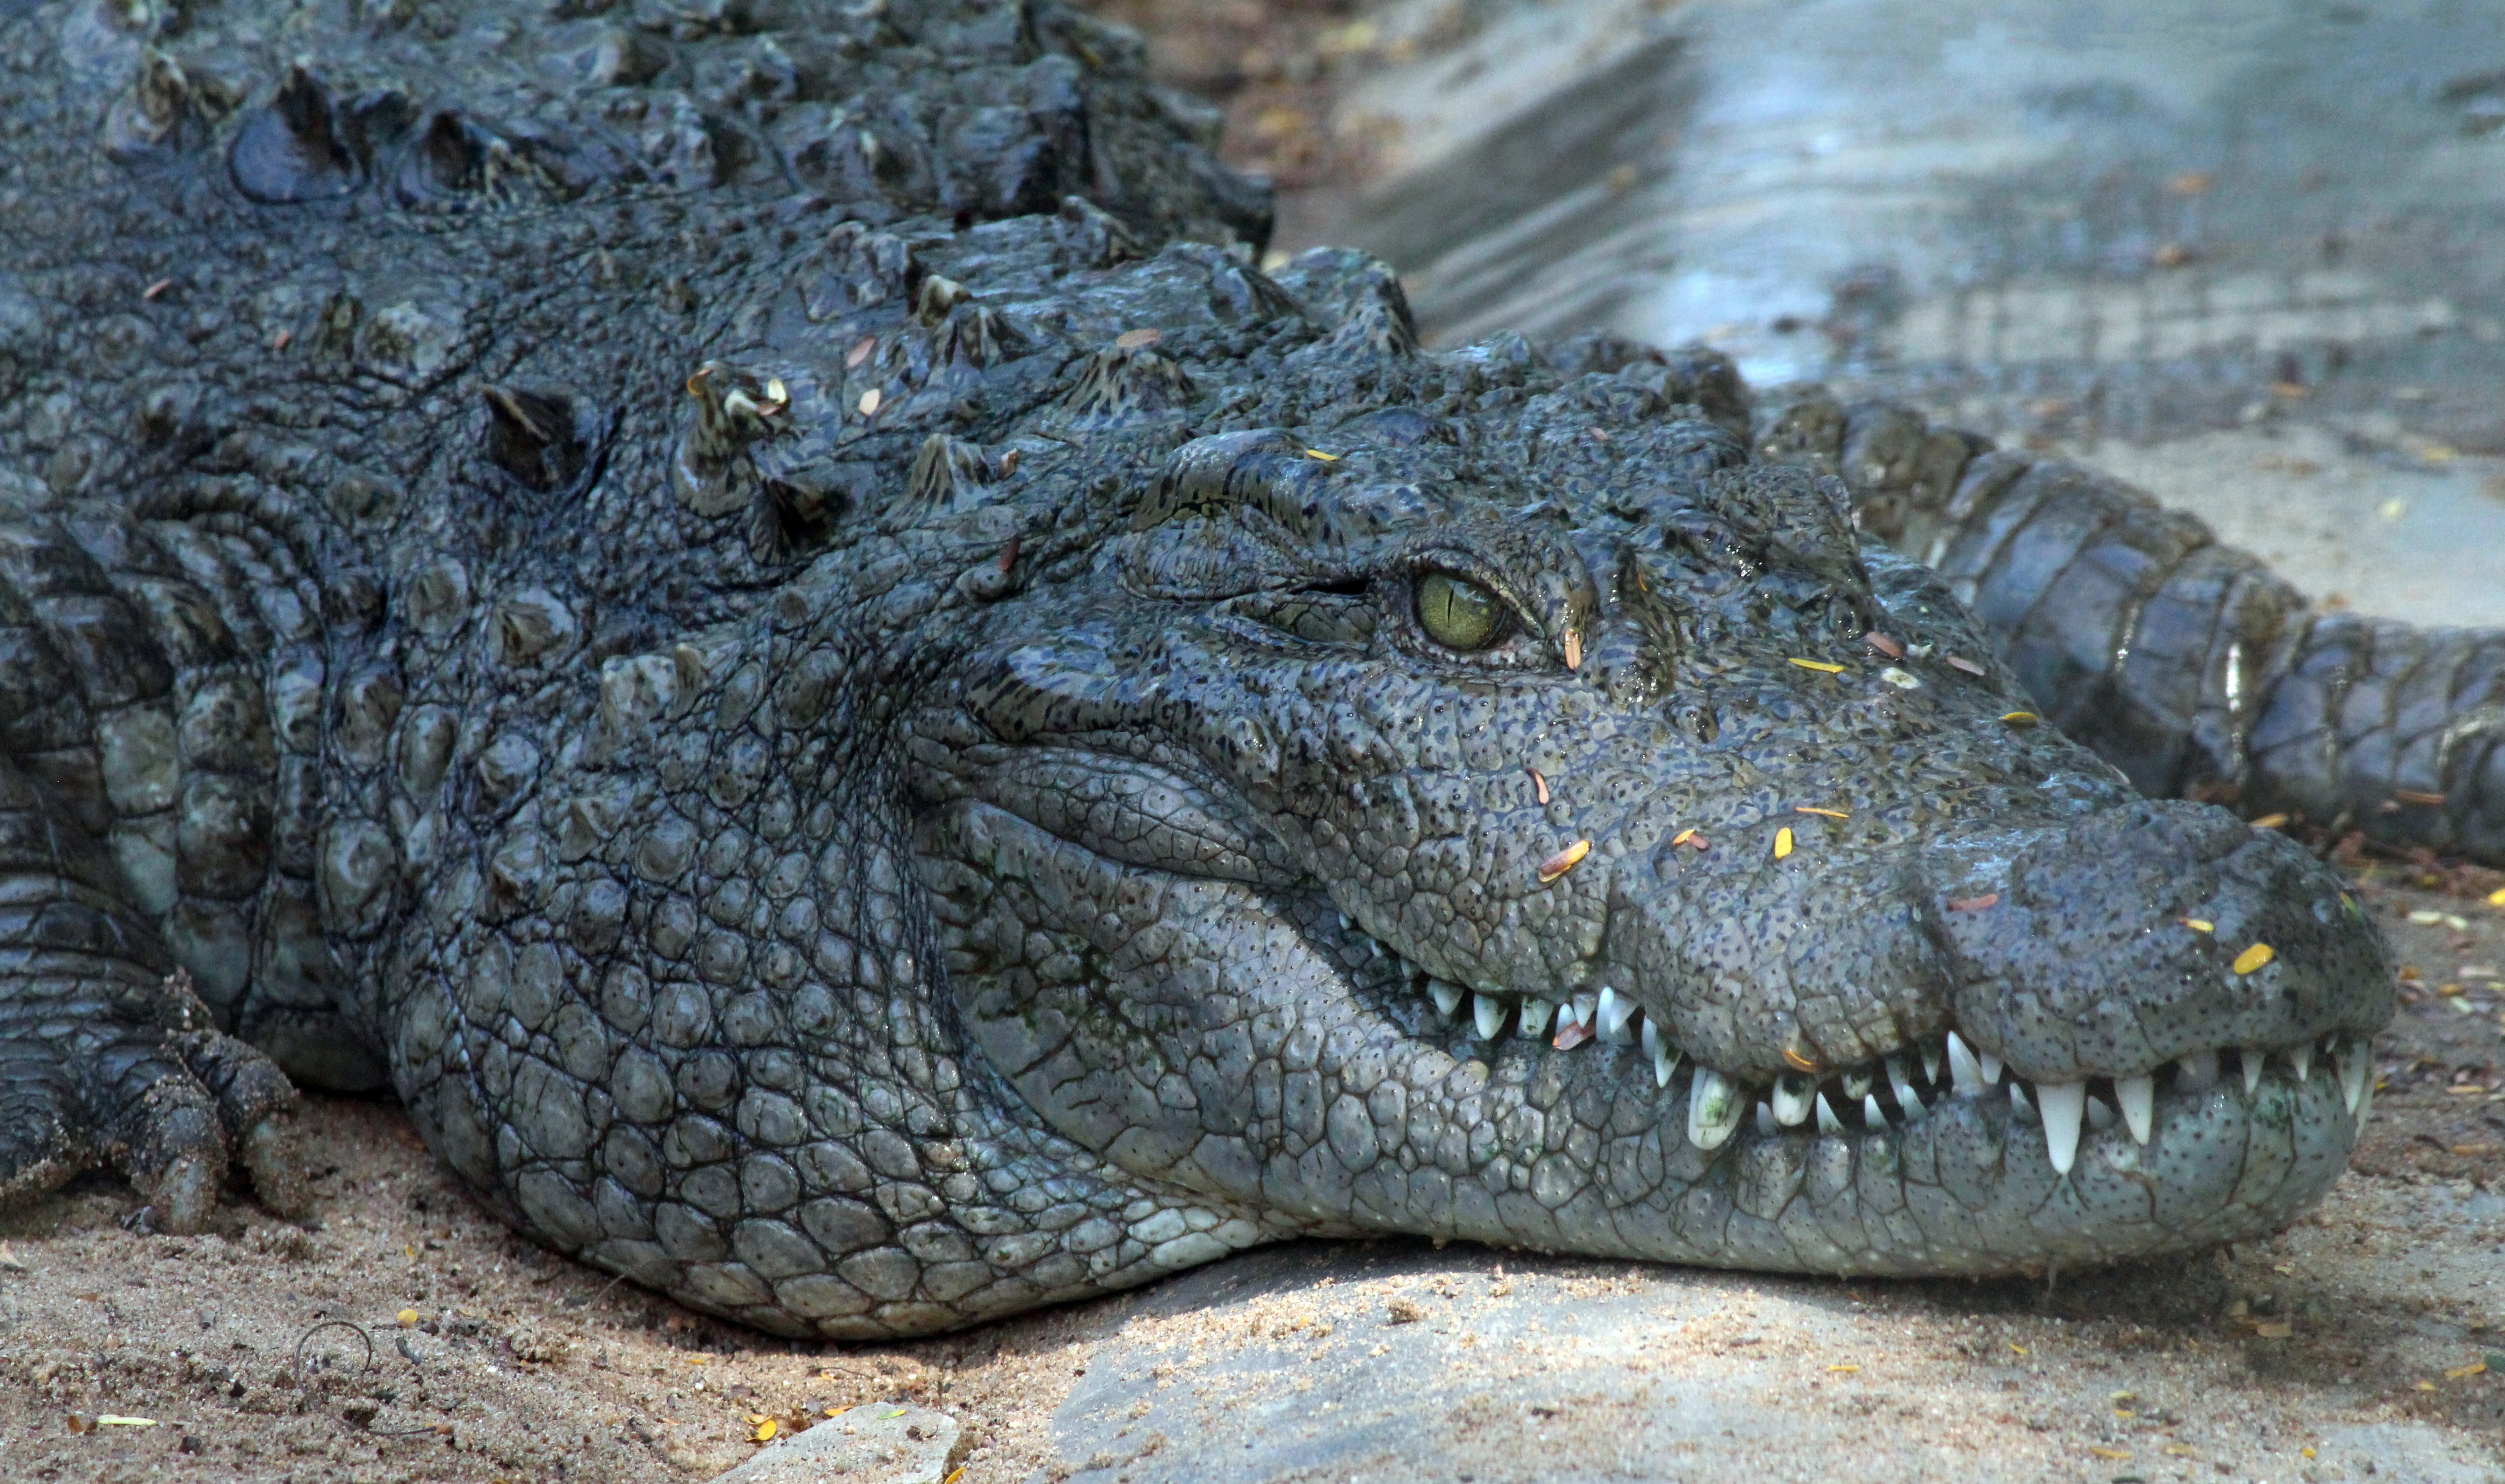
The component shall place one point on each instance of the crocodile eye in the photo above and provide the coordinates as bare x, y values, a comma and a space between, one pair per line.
1458, 613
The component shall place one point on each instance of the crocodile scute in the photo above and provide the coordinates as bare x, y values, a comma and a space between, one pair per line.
758, 609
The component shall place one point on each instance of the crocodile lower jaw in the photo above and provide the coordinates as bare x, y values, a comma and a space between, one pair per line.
1894, 1092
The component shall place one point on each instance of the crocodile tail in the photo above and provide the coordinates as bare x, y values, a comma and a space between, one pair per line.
2184, 662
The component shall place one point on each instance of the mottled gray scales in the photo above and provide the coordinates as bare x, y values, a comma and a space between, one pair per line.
763, 613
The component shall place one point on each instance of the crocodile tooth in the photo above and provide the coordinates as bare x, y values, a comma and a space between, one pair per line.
1651, 1037
2355, 1065
1586, 1009
2020, 1107
1488, 1012
1665, 1061
1991, 1066
1766, 1127
2064, 1104
1859, 1082
1931, 1062
1827, 1121
1715, 1104
1964, 1069
1792, 1098
2197, 1070
1872, 1114
2302, 1059
1448, 996
1903, 1087
1535, 1018
2137, 1096
1615, 1011
2252, 1061
2100, 1114
2365, 1098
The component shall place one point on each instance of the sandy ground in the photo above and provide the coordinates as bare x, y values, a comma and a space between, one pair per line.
2355, 1336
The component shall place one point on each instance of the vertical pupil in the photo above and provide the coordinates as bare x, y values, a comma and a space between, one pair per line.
1456, 611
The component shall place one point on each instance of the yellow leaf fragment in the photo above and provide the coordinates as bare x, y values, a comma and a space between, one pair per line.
1564, 861
767, 1430
869, 401
955, 1476
2458, 1373
407, 1319
2496, 897
1823, 813
1783, 842
1820, 666
2109, 1453
2271, 822
2019, 718
2308, 1451
1684, 836
1846, 1369
2254, 958
2199, 925
1316, 453
838, 1411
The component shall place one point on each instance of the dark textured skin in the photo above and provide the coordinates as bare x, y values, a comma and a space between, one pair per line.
860, 747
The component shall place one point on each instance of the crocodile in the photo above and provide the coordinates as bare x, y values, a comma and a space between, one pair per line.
760, 609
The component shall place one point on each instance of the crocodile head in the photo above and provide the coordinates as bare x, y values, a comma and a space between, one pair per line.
1568, 834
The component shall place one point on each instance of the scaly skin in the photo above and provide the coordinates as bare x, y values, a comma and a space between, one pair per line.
875, 766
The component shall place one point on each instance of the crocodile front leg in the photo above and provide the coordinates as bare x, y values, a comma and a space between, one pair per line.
156, 772
106, 1053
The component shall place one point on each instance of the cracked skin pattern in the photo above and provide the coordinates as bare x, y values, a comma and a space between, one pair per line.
873, 745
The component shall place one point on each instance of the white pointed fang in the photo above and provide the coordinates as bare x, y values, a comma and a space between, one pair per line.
1584, 1009
1903, 1087
2064, 1104
1990, 1065
2196, 1070
1827, 1121
1614, 1009
2302, 1059
2252, 1061
2365, 1099
1533, 1025
1665, 1061
2137, 1096
1964, 1069
1489, 1012
1791, 1098
1931, 1062
2356, 1064
1714, 1104
1765, 1122
1872, 1115
1651, 1038
1448, 996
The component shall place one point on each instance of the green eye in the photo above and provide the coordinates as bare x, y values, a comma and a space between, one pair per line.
1458, 613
